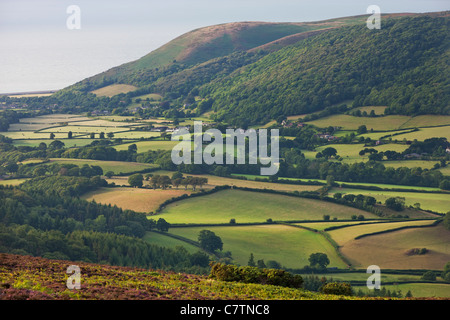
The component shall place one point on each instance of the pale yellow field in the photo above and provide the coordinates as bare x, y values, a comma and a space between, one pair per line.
344, 235
388, 250
102, 123
137, 199
113, 90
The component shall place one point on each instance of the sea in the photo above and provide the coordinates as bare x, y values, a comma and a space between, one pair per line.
53, 60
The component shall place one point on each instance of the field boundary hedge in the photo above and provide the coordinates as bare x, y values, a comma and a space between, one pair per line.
375, 188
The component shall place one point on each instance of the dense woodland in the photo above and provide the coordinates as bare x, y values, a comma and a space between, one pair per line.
399, 65
44, 217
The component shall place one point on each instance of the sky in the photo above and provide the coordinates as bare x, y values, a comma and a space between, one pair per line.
38, 51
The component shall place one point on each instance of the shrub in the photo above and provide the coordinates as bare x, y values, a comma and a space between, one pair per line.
337, 288
250, 274
429, 275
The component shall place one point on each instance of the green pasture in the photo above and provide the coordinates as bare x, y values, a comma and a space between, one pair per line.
350, 152
169, 242
287, 245
248, 206
425, 133
136, 134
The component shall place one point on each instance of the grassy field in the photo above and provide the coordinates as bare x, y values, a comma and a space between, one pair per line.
137, 199
350, 152
114, 166
389, 250
438, 202
54, 119
427, 121
103, 123
287, 245
426, 133
12, 182
85, 129
30, 135
379, 134
347, 122
247, 206
168, 241
136, 134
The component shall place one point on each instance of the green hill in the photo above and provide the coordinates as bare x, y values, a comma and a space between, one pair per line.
253, 72
401, 66
201, 45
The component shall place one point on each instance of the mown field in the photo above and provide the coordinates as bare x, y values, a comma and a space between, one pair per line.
137, 199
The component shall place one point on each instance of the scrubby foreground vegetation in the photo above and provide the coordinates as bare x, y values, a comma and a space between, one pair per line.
33, 278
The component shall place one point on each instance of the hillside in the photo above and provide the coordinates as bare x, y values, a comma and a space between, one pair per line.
201, 45
31, 278
253, 72
399, 66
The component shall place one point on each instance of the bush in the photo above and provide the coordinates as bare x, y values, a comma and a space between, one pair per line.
249, 274
337, 288
429, 275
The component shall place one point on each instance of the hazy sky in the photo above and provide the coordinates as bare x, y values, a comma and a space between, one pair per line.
39, 52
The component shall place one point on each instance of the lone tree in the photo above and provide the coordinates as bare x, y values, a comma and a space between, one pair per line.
162, 225
136, 180
209, 241
361, 129
318, 260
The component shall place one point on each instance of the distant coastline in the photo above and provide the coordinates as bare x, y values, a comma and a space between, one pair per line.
29, 93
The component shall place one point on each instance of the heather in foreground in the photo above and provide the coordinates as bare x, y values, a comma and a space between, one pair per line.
32, 278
